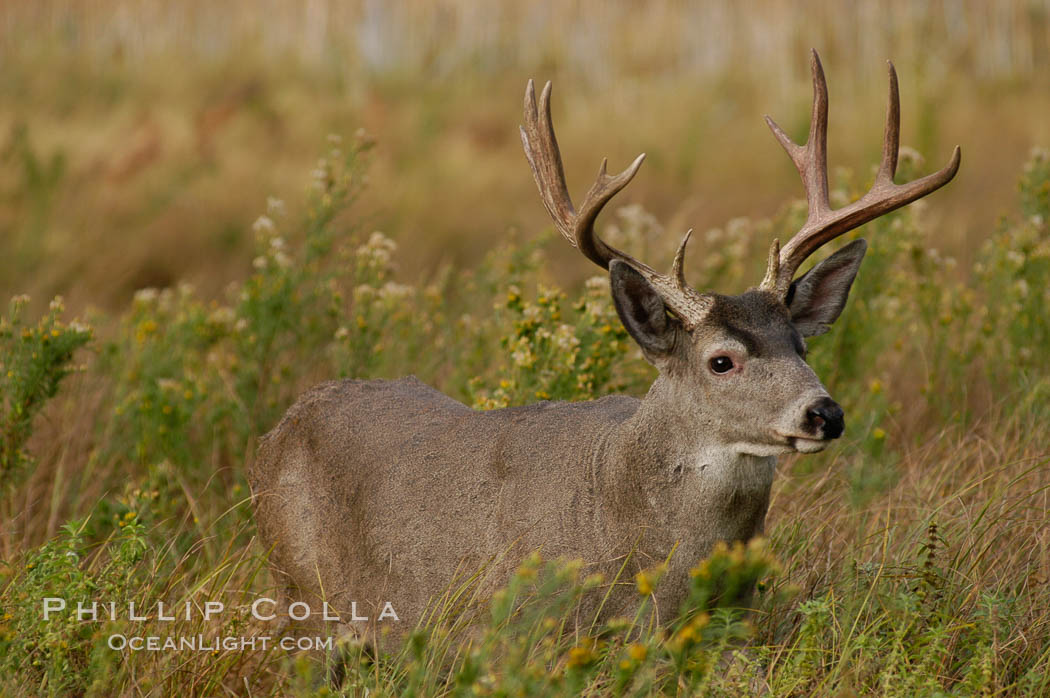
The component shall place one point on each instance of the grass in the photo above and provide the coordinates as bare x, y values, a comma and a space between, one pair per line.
912, 558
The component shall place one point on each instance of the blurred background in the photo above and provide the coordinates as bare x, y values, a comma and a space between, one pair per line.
140, 140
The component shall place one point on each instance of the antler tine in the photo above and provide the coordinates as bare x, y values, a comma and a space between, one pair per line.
824, 224
603, 189
891, 141
678, 266
547, 170
772, 266
577, 225
811, 160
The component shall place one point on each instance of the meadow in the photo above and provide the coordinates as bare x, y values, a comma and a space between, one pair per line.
232, 213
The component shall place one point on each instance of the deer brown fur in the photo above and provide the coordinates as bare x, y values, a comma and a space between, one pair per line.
386, 491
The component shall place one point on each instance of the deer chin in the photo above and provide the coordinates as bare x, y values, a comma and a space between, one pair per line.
803, 444
761, 450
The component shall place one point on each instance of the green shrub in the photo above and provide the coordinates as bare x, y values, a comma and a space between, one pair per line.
33, 361
61, 655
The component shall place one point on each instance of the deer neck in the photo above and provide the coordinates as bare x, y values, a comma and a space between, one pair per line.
669, 467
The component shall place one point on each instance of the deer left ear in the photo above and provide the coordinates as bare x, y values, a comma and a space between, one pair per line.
642, 311
816, 298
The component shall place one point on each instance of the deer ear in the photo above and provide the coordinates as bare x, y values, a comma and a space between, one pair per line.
816, 298
641, 310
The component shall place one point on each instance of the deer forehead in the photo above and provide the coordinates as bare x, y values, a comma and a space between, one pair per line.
756, 320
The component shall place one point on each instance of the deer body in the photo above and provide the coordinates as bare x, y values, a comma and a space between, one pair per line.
391, 522
375, 492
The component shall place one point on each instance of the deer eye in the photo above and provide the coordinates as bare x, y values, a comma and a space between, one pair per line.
721, 364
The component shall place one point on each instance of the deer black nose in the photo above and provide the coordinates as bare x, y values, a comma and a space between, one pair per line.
825, 413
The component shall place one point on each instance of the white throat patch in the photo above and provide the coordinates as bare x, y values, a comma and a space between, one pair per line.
729, 466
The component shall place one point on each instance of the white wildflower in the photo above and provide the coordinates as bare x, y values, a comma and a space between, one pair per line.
392, 292
380, 241
275, 206
168, 384
565, 339
522, 354
597, 286
523, 357
166, 299
364, 293
639, 221
377, 252
222, 316
145, 296
910, 156
264, 225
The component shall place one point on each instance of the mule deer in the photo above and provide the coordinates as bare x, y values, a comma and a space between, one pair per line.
380, 491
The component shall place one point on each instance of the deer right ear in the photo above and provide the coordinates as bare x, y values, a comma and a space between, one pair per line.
816, 298
641, 310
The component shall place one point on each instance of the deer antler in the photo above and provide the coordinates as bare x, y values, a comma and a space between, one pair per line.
577, 226
824, 224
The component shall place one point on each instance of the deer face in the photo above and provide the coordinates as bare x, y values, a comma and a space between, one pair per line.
748, 358
740, 367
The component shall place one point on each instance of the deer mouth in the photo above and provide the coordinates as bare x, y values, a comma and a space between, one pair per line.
805, 444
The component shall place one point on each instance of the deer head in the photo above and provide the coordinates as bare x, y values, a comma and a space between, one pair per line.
736, 364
